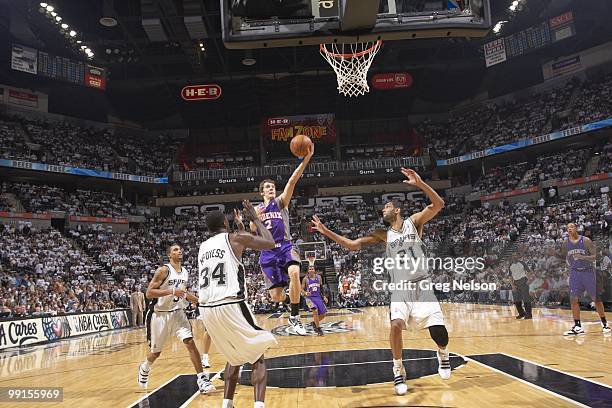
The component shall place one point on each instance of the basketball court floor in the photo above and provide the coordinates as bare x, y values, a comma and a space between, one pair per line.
497, 361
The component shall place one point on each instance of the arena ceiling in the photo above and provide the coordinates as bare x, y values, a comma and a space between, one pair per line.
142, 70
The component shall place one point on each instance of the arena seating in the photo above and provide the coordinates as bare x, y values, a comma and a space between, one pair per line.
466, 130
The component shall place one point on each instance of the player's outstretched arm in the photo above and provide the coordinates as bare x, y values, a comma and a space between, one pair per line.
437, 203
372, 238
264, 241
285, 197
153, 290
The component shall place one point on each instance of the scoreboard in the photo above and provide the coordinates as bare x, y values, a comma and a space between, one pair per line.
531, 39
42, 63
63, 69
527, 40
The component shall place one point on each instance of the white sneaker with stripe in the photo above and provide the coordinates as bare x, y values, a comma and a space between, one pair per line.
143, 376
399, 380
444, 367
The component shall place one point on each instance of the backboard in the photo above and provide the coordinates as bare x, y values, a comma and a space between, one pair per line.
249, 24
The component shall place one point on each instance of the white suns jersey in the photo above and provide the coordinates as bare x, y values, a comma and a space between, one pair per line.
221, 274
406, 242
176, 280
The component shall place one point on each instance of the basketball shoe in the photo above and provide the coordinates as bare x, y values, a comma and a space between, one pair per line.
205, 363
444, 367
143, 376
297, 325
574, 331
606, 329
399, 380
204, 384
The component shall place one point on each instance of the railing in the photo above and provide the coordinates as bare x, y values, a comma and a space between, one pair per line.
287, 169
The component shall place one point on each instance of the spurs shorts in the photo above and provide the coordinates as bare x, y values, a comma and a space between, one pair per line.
235, 334
418, 308
161, 325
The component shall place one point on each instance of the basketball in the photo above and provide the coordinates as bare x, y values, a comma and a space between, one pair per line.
300, 145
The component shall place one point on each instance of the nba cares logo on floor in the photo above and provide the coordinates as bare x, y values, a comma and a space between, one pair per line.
201, 92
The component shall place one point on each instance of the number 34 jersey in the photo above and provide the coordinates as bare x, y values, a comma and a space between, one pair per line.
221, 274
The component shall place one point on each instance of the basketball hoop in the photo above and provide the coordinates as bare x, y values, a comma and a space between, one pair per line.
351, 63
311, 260
311, 257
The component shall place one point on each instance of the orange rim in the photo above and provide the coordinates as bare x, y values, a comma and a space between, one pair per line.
376, 45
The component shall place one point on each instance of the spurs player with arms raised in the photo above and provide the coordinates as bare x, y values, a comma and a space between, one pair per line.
283, 259
166, 317
403, 238
222, 299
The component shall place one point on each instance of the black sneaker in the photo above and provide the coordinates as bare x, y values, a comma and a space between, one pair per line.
520, 317
528, 317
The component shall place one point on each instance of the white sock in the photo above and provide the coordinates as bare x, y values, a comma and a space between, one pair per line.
204, 355
259, 404
227, 403
147, 365
444, 351
397, 363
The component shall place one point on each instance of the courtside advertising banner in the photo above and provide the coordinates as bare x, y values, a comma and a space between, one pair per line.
320, 128
38, 330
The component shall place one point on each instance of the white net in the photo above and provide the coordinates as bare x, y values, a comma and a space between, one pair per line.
351, 63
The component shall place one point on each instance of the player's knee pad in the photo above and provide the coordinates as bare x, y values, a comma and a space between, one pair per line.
439, 334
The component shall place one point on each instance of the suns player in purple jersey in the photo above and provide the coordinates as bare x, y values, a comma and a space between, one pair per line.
311, 288
580, 254
281, 265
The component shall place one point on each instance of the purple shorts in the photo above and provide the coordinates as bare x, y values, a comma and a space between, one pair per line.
275, 264
581, 281
316, 303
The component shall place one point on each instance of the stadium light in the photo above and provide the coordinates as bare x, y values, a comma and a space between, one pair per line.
73, 33
50, 8
64, 26
53, 14
499, 26
43, 5
58, 19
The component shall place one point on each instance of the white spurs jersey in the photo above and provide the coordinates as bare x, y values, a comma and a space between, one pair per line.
221, 274
176, 280
406, 242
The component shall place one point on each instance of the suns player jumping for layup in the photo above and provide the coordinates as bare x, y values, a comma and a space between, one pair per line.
579, 252
222, 294
403, 238
283, 259
166, 316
